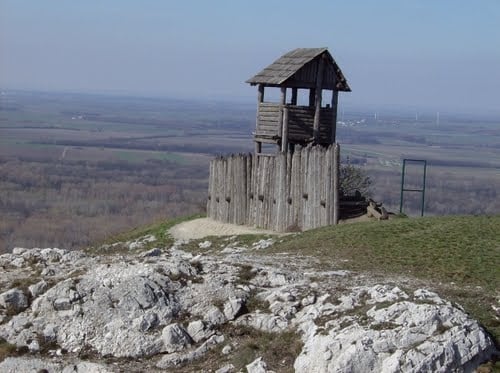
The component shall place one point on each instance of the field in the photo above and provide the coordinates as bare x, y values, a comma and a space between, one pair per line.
75, 169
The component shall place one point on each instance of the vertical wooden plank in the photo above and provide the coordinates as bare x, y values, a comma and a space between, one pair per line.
284, 137
281, 193
306, 187
336, 172
317, 99
335, 97
294, 96
248, 187
295, 193
251, 191
328, 186
288, 193
282, 105
260, 99
321, 182
271, 198
312, 95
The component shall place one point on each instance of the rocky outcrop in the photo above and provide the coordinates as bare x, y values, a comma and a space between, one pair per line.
174, 308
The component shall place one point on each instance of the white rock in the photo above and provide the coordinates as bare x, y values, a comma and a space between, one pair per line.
38, 288
28, 364
227, 349
18, 262
214, 316
228, 368
263, 244
14, 300
233, 307
198, 331
182, 357
61, 304
257, 366
205, 245
308, 300
404, 337
175, 338
18, 250
49, 271
148, 321
86, 367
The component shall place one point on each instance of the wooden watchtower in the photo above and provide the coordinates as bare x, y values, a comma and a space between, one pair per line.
286, 123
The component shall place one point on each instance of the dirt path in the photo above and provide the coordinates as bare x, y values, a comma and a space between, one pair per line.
199, 228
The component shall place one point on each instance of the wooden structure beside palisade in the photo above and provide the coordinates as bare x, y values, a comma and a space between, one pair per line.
297, 187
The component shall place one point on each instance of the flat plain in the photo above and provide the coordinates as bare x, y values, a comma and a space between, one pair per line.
77, 168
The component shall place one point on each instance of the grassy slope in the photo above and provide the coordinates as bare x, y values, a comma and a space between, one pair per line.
458, 256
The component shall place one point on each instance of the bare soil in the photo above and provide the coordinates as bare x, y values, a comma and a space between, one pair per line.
203, 227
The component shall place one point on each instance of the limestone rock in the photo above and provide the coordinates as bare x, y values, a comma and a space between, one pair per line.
183, 357
28, 364
257, 366
263, 244
214, 316
405, 336
86, 367
38, 288
226, 350
198, 331
175, 338
233, 307
205, 245
228, 368
133, 305
14, 300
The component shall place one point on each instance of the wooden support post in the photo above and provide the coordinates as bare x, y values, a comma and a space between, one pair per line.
312, 94
294, 96
336, 183
317, 100
284, 137
260, 99
335, 99
282, 105
261, 93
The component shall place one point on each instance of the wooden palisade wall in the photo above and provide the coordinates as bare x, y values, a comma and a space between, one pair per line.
281, 192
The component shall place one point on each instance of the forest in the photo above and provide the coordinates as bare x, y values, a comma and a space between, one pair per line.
76, 169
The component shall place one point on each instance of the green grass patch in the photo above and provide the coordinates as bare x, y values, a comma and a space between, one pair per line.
159, 230
464, 250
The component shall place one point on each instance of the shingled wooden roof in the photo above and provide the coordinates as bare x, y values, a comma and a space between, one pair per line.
298, 68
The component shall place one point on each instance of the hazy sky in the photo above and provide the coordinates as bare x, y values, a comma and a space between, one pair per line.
413, 53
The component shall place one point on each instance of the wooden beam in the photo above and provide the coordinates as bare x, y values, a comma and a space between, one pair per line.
336, 183
317, 99
312, 94
335, 98
260, 99
261, 93
282, 105
284, 137
294, 96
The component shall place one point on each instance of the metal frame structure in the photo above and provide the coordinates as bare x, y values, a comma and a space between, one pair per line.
403, 189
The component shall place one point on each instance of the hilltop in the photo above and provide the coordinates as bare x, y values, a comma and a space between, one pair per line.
402, 294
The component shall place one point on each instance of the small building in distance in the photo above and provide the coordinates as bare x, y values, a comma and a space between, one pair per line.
286, 123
